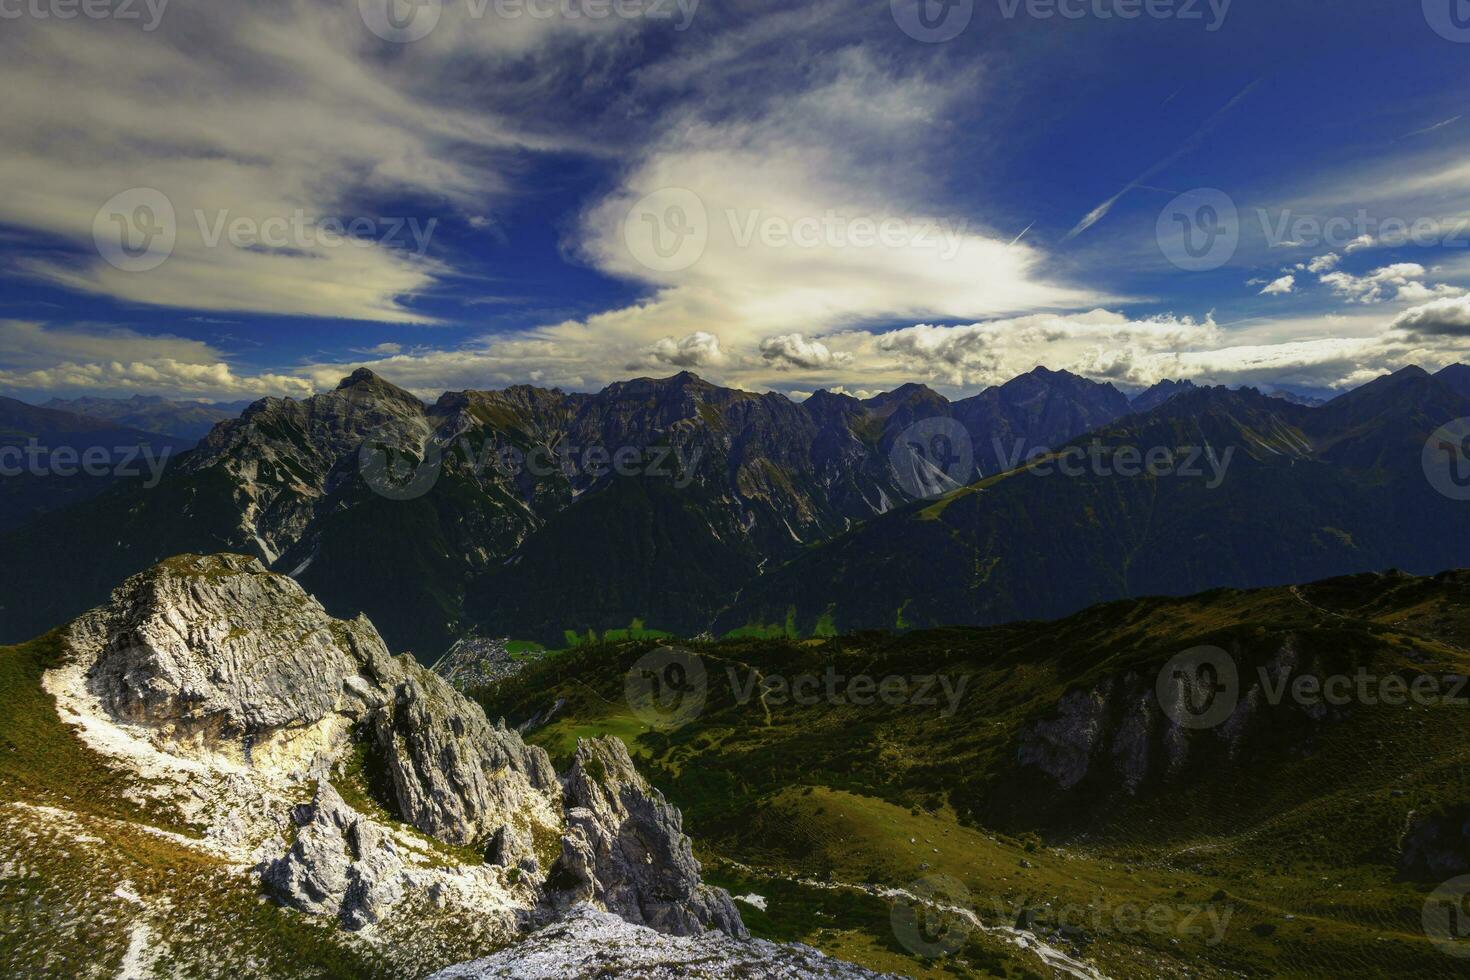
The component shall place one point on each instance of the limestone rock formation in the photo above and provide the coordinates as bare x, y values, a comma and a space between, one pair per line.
455, 776
589, 943
1118, 733
341, 864
625, 848
239, 688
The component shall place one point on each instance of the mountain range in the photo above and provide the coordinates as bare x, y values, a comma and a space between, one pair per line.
50, 458
181, 420
677, 505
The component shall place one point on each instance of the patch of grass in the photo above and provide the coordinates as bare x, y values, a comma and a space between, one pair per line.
43, 761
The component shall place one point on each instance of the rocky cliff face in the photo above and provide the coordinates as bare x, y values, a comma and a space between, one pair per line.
626, 850
1117, 734
259, 716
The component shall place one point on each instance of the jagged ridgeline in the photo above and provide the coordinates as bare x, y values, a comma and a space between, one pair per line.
725, 483
732, 512
210, 776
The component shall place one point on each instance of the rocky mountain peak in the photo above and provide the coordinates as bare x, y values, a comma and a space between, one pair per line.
240, 685
1457, 376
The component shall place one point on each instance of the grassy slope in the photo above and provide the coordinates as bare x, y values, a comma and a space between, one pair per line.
74, 848
1298, 836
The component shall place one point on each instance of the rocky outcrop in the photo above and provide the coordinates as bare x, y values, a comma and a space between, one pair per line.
250, 697
1435, 846
625, 849
456, 777
341, 864
218, 647
1120, 733
218, 656
589, 943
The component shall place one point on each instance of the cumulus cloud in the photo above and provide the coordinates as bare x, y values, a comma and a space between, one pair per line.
1100, 344
1323, 263
1449, 317
1377, 285
794, 350
696, 350
1280, 287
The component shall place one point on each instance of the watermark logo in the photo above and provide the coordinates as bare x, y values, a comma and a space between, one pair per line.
299, 231
401, 460
123, 10
1185, 462
1362, 230
668, 230
941, 691
1199, 688
667, 688
135, 230
932, 21
1199, 231
126, 462
1447, 459
406, 21
401, 21
932, 917
1449, 18
1211, 13
1446, 917
933, 457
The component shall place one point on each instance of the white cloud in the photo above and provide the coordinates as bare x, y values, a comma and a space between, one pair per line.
1323, 263
1359, 243
1418, 292
1448, 317
1098, 344
1376, 286
831, 162
794, 350
698, 349
258, 111
1280, 287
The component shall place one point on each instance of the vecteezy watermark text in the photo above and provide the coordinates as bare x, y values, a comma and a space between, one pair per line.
1201, 230
126, 10
403, 460
94, 461
670, 229
937, 21
935, 916
861, 690
138, 229
669, 688
1201, 688
1097, 459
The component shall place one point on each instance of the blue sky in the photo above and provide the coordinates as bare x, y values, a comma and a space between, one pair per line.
839, 202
